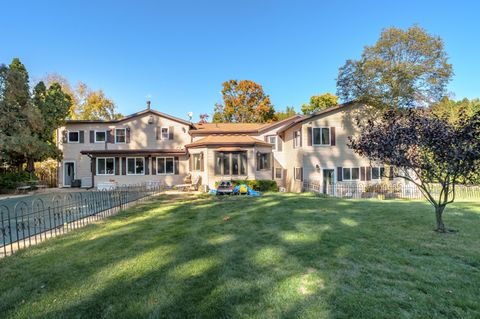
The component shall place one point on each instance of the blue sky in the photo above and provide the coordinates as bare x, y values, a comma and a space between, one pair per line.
179, 52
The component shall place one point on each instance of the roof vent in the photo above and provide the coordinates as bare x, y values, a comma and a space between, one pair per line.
148, 105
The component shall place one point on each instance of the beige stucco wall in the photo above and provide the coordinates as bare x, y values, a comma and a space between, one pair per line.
142, 136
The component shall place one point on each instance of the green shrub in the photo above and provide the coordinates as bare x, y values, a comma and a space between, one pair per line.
12, 179
261, 185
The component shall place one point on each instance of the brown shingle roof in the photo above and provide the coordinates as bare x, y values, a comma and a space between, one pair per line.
218, 128
228, 140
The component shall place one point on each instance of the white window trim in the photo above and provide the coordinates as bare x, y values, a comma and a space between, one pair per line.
295, 145
74, 171
275, 173
161, 133
379, 173
68, 137
274, 144
351, 175
95, 137
135, 160
105, 158
321, 133
295, 177
165, 165
193, 162
125, 130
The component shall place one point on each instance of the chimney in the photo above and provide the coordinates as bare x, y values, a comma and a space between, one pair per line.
148, 105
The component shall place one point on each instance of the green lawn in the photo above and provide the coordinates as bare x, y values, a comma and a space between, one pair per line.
277, 256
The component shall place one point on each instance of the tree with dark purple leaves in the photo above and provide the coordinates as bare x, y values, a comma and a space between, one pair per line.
424, 149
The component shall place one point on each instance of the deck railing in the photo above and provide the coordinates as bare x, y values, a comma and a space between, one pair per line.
29, 222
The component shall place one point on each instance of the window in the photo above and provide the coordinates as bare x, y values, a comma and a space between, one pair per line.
231, 163
73, 137
296, 139
273, 140
165, 165
120, 135
298, 172
135, 166
100, 136
105, 166
321, 136
196, 159
164, 133
378, 172
351, 174
263, 161
278, 172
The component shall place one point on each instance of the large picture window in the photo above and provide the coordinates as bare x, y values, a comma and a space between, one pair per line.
135, 166
231, 163
105, 166
165, 165
321, 136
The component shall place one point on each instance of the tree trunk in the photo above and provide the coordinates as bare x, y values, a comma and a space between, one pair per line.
30, 165
439, 216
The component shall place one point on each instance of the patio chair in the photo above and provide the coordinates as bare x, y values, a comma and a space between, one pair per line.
193, 186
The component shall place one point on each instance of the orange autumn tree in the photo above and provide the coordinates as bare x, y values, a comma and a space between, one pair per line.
243, 102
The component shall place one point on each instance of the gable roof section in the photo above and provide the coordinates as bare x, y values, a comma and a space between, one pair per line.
128, 117
228, 140
238, 128
319, 113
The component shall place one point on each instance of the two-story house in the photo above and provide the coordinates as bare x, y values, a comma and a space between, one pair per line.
154, 146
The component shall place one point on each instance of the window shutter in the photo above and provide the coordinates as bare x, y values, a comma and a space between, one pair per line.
82, 136
170, 132
124, 166
157, 133
332, 136
147, 165
369, 173
279, 144
201, 162
391, 174
301, 174
93, 165
301, 137
154, 166
362, 174
117, 166
176, 164
309, 136
265, 138
339, 174
190, 160
110, 137
127, 135
258, 161
92, 136
64, 136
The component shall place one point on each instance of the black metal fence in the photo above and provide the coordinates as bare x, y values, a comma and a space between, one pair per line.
384, 190
30, 222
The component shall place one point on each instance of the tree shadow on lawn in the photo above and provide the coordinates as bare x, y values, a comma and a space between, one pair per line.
276, 256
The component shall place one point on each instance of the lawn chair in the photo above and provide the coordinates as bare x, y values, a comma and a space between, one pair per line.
193, 186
